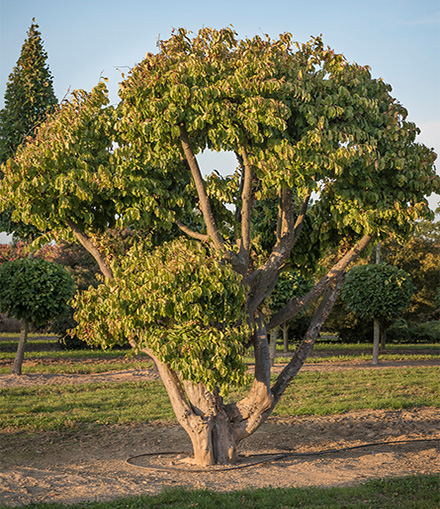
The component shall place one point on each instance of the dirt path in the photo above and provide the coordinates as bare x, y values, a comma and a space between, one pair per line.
77, 466
72, 467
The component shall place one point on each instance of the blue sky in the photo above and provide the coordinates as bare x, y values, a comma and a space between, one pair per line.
398, 39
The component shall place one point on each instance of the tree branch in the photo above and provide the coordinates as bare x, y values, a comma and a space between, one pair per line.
199, 236
298, 304
205, 205
85, 241
263, 279
308, 342
252, 411
246, 211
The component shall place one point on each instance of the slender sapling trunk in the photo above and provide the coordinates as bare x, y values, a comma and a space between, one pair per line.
19, 356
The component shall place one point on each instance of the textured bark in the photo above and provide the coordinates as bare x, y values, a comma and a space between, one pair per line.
19, 356
205, 205
376, 341
247, 200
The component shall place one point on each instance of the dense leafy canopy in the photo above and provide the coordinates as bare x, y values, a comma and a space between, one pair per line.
180, 302
377, 291
34, 290
29, 95
302, 122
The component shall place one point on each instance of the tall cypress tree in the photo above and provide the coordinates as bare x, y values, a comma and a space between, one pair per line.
29, 96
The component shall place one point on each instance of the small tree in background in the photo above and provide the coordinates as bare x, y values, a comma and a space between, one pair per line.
379, 292
34, 291
29, 97
290, 284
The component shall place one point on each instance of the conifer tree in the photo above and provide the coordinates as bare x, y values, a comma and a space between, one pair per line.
29, 96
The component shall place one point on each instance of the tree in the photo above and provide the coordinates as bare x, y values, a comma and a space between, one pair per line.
300, 121
379, 292
419, 256
29, 97
34, 291
290, 284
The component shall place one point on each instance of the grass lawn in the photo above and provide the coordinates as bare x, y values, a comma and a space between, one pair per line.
54, 407
415, 492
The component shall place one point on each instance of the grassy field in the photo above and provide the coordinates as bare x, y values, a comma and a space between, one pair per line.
55, 407
417, 492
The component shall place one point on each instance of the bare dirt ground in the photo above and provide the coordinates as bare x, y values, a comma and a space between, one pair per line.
77, 466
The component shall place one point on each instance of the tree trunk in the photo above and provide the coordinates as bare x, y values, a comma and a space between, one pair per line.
19, 356
286, 337
376, 340
273, 346
383, 336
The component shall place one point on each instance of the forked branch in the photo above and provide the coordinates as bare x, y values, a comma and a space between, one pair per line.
264, 278
85, 241
298, 304
308, 342
205, 205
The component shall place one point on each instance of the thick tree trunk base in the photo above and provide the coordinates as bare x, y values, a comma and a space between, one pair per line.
214, 443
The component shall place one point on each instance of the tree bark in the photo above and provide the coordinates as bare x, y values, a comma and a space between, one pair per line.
247, 200
286, 337
376, 340
263, 280
205, 205
19, 356
273, 346
308, 342
298, 304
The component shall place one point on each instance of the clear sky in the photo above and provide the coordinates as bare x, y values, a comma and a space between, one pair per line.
84, 39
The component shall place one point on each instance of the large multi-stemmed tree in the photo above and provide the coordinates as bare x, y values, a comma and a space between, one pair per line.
317, 139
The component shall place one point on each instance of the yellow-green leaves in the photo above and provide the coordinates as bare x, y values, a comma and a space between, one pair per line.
181, 302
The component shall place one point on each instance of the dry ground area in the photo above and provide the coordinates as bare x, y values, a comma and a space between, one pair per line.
74, 467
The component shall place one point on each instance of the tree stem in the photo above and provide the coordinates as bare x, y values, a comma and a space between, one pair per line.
19, 356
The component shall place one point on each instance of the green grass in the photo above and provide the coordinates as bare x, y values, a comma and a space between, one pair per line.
368, 346
415, 492
364, 357
50, 407
67, 354
53, 407
31, 335
118, 359
115, 360
336, 392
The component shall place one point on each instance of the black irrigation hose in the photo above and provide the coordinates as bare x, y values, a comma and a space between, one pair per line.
268, 457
